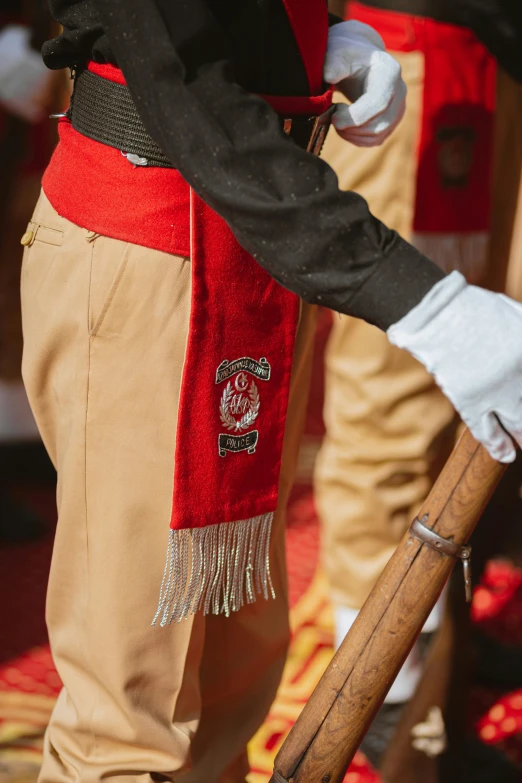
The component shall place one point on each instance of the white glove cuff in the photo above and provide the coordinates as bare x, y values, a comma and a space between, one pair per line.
433, 303
468, 339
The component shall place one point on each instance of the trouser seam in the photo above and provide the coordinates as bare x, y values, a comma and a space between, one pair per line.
87, 649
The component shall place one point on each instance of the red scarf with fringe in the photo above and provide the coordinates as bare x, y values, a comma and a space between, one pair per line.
234, 397
238, 362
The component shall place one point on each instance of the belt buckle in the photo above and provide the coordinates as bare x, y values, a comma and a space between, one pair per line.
319, 131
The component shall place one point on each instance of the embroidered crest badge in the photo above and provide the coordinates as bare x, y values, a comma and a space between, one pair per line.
240, 403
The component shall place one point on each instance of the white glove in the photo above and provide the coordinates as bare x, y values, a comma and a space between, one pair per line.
23, 76
359, 65
470, 340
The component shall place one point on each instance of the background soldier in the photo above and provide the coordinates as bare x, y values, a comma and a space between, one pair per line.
447, 179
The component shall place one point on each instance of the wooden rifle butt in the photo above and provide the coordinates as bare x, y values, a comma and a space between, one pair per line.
329, 730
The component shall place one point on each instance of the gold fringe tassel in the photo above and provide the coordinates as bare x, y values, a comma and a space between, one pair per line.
217, 568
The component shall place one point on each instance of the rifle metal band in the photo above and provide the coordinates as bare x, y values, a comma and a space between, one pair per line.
446, 547
277, 777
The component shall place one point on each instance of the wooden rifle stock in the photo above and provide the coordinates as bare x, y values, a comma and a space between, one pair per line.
329, 730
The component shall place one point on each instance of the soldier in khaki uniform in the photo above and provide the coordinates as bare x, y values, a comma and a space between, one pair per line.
389, 427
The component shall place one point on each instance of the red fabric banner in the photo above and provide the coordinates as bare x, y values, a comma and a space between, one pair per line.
455, 147
456, 143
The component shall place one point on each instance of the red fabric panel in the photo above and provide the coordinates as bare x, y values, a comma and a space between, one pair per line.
238, 311
456, 142
309, 21
457, 136
95, 187
399, 31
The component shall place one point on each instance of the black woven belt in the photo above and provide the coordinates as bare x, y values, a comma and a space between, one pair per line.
104, 111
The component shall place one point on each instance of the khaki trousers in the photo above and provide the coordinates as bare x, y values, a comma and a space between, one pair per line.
105, 327
389, 427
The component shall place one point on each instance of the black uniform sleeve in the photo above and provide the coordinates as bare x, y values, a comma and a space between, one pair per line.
283, 204
498, 23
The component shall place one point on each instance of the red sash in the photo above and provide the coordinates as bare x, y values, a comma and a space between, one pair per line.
234, 399
238, 363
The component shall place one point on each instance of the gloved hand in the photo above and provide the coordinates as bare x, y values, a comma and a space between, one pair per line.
359, 65
23, 76
470, 340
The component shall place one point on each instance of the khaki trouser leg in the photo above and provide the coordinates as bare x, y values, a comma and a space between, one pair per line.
389, 427
388, 424
105, 327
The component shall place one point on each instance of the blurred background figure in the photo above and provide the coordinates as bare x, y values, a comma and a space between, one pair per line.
29, 92
447, 179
